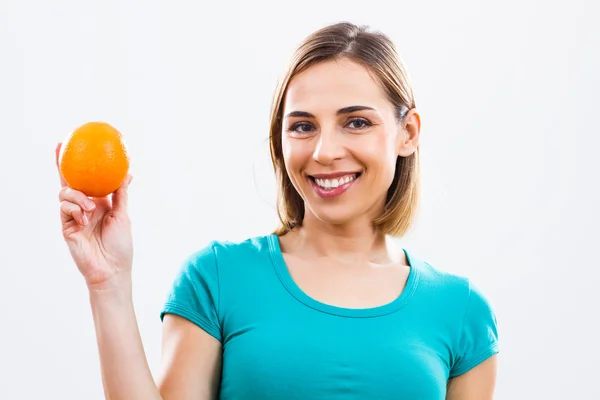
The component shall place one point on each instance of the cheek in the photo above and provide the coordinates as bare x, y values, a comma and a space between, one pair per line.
286, 150
379, 156
294, 159
293, 155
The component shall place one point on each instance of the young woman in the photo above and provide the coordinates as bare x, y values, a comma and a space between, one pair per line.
325, 307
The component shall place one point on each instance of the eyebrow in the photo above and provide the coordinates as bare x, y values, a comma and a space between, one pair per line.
341, 111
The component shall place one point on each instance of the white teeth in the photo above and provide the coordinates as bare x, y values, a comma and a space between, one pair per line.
334, 183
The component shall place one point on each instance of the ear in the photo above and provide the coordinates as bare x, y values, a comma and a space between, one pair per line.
409, 133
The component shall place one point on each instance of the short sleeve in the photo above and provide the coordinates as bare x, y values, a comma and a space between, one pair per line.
478, 339
194, 294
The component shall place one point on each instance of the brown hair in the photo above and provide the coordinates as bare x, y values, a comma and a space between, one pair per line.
377, 53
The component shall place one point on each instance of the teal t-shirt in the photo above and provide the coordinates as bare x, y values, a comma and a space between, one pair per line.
279, 343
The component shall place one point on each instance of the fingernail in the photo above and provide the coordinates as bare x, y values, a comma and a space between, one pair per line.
89, 205
85, 219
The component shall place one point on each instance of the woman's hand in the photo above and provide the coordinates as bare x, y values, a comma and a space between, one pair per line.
98, 233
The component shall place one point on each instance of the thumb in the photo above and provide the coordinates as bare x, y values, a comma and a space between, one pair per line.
120, 196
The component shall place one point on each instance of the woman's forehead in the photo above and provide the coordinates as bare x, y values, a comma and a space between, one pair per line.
334, 84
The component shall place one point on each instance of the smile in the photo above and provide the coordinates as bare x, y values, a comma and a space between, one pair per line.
335, 182
330, 186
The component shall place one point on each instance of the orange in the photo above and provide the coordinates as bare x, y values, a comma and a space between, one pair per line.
94, 159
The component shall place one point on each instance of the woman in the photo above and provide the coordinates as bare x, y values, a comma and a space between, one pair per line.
325, 307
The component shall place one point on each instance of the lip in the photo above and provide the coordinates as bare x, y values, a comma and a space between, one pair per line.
333, 175
333, 192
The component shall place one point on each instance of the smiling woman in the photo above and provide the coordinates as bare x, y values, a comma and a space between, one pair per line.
359, 72
350, 130
325, 307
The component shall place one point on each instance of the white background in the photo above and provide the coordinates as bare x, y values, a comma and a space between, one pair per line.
508, 91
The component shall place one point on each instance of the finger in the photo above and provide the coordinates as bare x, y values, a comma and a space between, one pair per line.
71, 211
77, 197
57, 154
120, 198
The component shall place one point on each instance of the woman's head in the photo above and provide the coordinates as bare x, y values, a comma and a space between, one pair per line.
344, 133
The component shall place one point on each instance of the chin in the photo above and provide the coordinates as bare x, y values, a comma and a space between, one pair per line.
334, 215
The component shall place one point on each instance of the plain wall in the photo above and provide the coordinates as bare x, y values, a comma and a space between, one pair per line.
508, 93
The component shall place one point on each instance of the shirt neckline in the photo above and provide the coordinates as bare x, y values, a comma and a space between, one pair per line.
291, 286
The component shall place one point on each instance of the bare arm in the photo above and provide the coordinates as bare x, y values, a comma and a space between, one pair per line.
477, 384
191, 359
125, 371
98, 234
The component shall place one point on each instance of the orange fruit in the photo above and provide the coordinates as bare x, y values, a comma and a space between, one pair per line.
94, 159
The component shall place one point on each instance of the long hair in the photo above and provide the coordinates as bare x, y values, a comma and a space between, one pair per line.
377, 53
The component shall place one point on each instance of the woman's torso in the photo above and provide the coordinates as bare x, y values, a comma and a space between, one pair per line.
280, 343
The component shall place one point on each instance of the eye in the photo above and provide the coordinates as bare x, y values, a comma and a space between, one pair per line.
359, 123
301, 128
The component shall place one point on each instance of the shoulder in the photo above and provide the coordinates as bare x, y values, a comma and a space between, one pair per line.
223, 260
460, 286
454, 295
209, 277
472, 315
435, 281
217, 251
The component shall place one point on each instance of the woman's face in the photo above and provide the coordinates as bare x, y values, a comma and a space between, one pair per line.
341, 139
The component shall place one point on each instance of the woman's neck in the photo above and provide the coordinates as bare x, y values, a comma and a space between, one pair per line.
358, 242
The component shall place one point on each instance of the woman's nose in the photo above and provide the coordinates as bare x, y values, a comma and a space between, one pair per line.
329, 147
